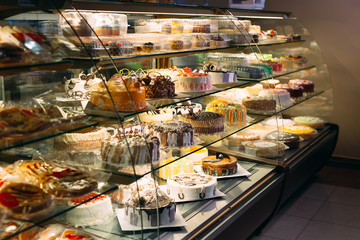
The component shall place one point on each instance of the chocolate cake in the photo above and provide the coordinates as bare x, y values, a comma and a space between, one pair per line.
205, 122
158, 87
295, 91
219, 165
172, 134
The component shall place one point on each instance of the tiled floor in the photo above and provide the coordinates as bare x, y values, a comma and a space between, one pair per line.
320, 212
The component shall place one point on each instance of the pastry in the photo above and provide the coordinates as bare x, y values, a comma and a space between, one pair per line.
305, 132
25, 201
233, 113
85, 139
158, 87
260, 103
219, 165
89, 212
156, 116
149, 206
79, 88
295, 91
270, 83
306, 84
194, 153
314, 122
172, 134
191, 186
265, 148
205, 122
289, 139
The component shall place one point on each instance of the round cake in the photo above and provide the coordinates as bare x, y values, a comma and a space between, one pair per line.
289, 139
188, 81
281, 96
172, 134
191, 186
305, 132
314, 122
265, 148
219, 165
306, 84
236, 141
121, 96
196, 154
155, 116
85, 139
233, 113
260, 103
90, 212
295, 91
205, 122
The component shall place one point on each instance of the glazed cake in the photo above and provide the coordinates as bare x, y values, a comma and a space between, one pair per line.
100, 97
260, 103
90, 212
233, 113
191, 186
115, 150
289, 139
219, 165
295, 91
282, 97
158, 87
305, 132
172, 134
306, 84
265, 148
149, 206
85, 139
314, 122
197, 156
205, 122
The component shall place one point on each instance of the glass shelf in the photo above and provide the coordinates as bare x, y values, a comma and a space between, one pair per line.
18, 68
9, 143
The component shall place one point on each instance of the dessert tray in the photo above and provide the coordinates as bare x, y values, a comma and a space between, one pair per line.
241, 172
179, 221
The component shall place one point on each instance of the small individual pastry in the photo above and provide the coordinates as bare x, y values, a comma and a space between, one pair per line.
289, 139
306, 84
196, 155
205, 122
24, 200
219, 165
305, 132
270, 83
314, 122
265, 148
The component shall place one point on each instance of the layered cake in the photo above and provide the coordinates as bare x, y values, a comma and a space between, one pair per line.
188, 81
120, 94
289, 139
158, 87
149, 207
91, 209
195, 153
191, 186
205, 122
305, 132
270, 83
219, 165
314, 122
233, 113
184, 108
85, 139
152, 116
281, 96
134, 149
260, 103
306, 84
295, 91
172, 134
265, 148
25, 201
173, 166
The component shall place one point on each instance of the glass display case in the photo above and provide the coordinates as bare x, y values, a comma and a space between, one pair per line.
142, 121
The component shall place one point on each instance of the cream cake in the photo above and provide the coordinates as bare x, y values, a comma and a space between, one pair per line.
306, 84
314, 122
85, 139
172, 134
282, 97
233, 113
191, 186
90, 212
184, 108
265, 148
188, 81
196, 155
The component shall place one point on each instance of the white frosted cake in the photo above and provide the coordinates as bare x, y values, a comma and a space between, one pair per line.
96, 211
188, 81
281, 96
222, 77
191, 186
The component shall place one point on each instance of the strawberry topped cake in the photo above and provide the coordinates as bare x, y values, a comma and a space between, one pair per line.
187, 80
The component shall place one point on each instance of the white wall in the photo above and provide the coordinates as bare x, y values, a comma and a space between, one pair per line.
335, 25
